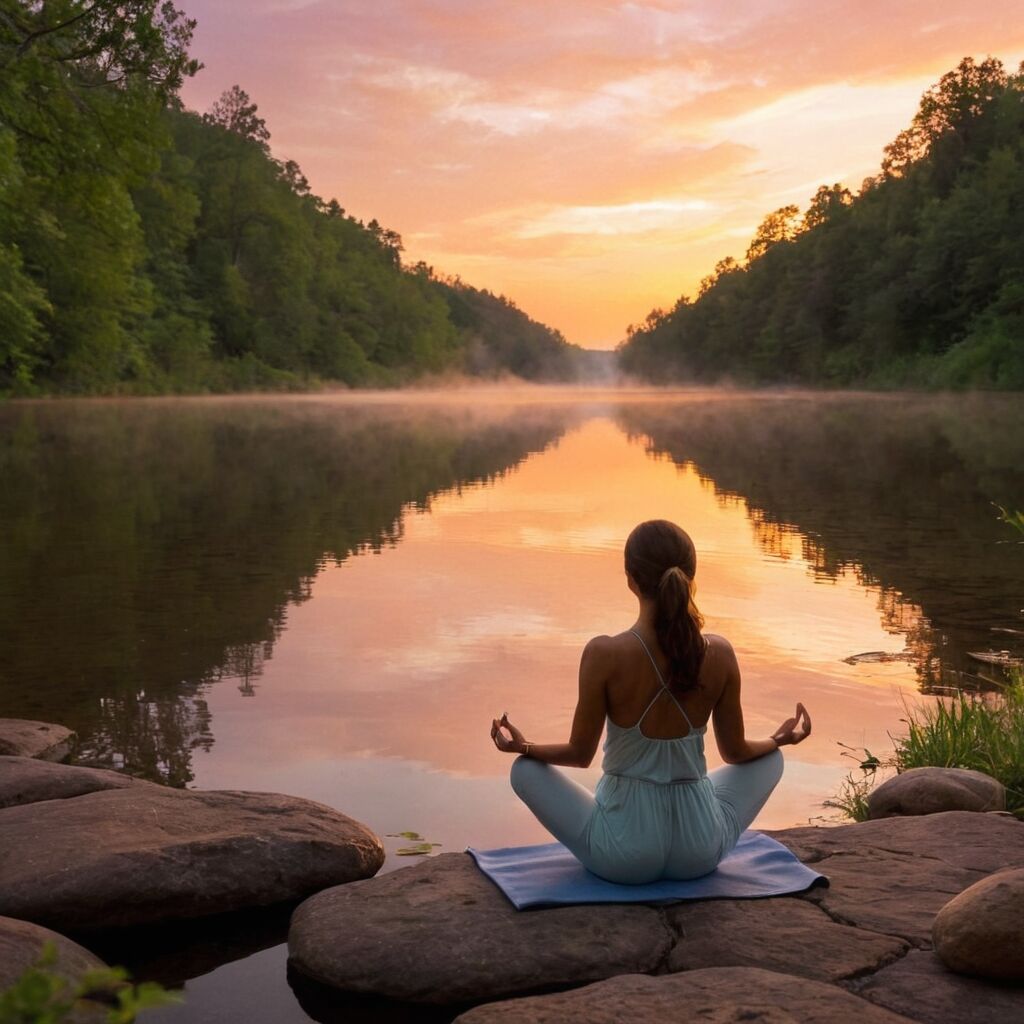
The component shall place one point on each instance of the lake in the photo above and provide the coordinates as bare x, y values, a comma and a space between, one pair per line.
333, 595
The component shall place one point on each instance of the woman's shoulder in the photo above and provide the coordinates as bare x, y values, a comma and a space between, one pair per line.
718, 643
605, 645
718, 649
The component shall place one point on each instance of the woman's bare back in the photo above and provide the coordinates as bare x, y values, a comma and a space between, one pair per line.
632, 684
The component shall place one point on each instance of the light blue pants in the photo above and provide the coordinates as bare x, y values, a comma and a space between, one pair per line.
566, 809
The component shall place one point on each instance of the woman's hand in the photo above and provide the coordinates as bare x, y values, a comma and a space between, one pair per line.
516, 745
793, 730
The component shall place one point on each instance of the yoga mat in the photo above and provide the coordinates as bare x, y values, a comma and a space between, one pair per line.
549, 875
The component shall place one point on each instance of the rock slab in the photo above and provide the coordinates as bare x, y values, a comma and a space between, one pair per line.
894, 875
780, 934
716, 995
26, 780
149, 853
920, 987
981, 931
933, 790
441, 932
22, 738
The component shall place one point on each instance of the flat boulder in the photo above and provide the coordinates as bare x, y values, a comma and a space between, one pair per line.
22, 738
894, 875
793, 936
26, 780
933, 790
149, 853
21, 946
714, 995
442, 933
981, 931
922, 988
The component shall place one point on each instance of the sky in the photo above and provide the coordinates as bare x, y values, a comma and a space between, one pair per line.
590, 160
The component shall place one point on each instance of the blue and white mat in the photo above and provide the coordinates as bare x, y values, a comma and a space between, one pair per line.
549, 875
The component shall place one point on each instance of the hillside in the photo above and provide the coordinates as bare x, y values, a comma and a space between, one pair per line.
146, 248
918, 280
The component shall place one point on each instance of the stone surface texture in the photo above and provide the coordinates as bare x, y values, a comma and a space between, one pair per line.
932, 790
442, 933
22, 738
981, 931
920, 987
149, 853
21, 945
782, 934
26, 780
715, 995
894, 875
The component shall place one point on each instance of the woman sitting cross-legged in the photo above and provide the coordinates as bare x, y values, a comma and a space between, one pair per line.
657, 812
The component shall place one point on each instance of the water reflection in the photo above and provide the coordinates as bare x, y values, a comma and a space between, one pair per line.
369, 581
897, 489
152, 548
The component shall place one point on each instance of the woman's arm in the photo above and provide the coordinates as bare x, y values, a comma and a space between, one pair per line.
587, 722
733, 744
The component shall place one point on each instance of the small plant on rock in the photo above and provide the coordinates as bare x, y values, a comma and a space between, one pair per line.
43, 996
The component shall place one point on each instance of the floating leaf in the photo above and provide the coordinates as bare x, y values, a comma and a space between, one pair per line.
419, 850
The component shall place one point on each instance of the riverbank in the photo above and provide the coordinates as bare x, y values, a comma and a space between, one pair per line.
433, 940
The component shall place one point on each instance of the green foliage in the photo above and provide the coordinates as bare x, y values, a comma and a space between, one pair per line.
500, 338
916, 281
1014, 519
852, 799
43, 996
144, 248
980, 731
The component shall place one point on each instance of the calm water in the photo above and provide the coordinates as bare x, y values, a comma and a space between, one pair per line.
332, 597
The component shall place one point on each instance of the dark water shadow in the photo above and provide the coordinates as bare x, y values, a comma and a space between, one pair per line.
179, 951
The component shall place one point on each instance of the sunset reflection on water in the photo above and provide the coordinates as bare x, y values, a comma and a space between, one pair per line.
380, 691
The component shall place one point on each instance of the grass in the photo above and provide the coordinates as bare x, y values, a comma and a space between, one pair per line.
984, 732
852, 799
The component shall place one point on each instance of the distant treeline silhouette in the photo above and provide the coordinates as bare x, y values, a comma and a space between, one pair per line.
146, 248
918, 280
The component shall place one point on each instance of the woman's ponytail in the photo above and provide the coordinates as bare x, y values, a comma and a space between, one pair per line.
661, 560
678, 625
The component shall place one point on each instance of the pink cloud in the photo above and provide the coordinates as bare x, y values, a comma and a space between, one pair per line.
513, 143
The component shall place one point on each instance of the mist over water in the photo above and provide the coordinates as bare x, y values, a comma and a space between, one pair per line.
332, 595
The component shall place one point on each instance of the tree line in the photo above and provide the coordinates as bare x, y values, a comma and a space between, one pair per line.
147, 248
918, 280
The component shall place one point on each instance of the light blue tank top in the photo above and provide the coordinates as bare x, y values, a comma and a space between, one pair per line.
656, 813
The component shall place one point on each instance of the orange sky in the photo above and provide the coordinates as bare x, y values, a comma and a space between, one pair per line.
589, 159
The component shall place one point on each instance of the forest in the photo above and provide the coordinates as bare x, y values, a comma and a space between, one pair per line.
915, 281
146, 248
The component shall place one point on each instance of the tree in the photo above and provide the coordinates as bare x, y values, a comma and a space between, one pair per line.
779, 226
237, 113
825, 203
951, 107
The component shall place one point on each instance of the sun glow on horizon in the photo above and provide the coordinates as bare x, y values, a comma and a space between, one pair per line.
591, 162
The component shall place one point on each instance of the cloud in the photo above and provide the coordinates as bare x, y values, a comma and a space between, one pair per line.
589, 159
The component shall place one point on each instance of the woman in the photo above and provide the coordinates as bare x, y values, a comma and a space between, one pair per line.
657, 813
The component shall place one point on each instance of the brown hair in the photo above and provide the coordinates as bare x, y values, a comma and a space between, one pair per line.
661, 559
